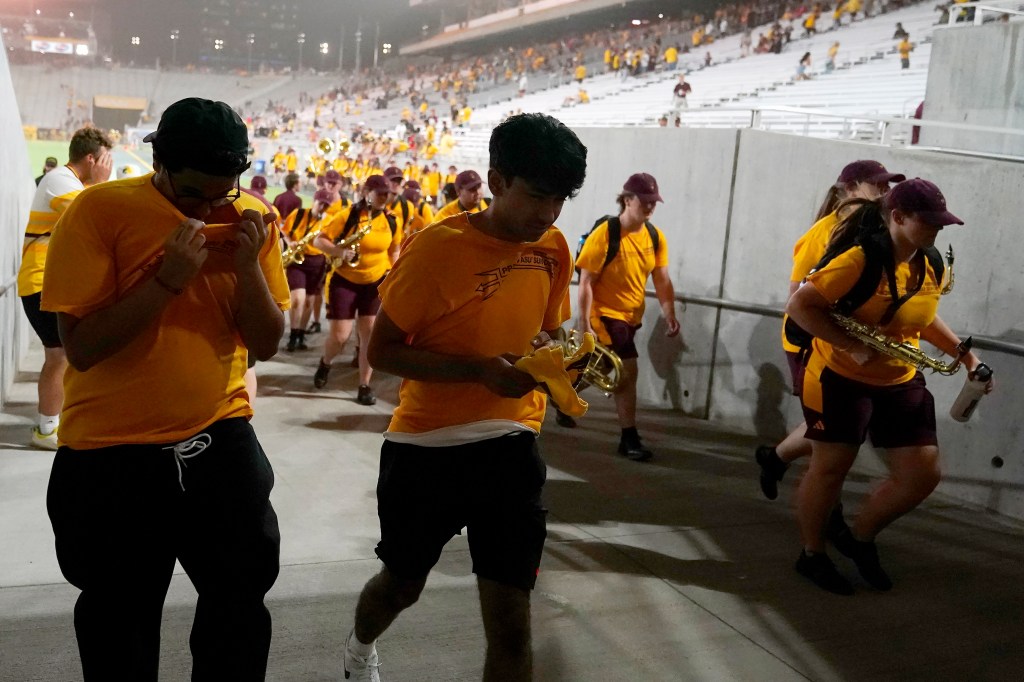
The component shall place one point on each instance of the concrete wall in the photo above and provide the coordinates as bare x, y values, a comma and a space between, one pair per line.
15, 197
975, 77
735, 202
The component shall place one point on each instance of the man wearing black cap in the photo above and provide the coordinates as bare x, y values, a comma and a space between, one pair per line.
164, 285
48, 165
469, 186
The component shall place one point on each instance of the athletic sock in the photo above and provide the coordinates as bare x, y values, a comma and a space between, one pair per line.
48, 425
358, 648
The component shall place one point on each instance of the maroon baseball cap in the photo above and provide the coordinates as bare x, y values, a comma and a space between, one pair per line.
411, 193
412, 184
332, 176
376, 183
644, 186
467, 180
324, 195
393, 173
922, 199
868, 171
258, 182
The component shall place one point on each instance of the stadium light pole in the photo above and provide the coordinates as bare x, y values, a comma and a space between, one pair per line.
359, 42
376, 45
301, 40
341, 50
175, 34
250, 39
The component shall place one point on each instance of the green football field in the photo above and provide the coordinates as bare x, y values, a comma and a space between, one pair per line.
141, 158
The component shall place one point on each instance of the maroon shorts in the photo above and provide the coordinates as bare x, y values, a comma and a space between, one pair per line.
308, 275
622, 335
796, 370
345, 298
895, 416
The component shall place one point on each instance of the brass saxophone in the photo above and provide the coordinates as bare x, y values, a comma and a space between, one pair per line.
602, 368
296, 251
905, 352
353, 241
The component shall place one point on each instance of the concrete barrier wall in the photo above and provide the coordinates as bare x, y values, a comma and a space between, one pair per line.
735, 202
975, 77
15, 198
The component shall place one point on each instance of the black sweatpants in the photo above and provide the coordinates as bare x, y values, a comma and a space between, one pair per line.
121, 515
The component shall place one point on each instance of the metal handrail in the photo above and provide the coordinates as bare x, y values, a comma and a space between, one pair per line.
8, 285
980, 342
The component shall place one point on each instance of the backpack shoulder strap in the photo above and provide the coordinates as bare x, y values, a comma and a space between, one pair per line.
655, 237
934, 257
866, 284
614, 238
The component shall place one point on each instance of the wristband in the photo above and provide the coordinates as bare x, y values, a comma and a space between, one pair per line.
164, 285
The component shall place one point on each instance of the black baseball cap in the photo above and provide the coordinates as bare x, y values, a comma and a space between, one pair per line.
193, 129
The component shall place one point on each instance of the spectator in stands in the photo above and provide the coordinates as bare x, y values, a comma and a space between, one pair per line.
905, 48
663, 121
900, 33
810, 23
90, 163
158, 459
802, 67
288, 200
830, 62
745, 44
48, 165
680, 92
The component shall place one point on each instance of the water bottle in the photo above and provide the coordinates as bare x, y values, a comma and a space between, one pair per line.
971, 393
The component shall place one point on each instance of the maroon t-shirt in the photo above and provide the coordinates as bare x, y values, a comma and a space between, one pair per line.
286, 202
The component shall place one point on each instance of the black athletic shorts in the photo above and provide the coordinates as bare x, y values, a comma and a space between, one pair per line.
622, 335
42, 321
427, 495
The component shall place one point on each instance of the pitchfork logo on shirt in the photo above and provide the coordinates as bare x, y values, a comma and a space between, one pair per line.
531, 261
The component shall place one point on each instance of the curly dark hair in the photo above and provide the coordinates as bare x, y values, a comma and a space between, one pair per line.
542, 151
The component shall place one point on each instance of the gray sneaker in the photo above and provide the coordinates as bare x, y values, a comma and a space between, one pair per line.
359, 668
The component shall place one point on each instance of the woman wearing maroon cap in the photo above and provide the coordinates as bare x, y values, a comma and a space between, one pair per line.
615, 261
865, 179
851, 391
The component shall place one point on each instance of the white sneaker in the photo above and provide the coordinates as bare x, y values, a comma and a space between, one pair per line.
359, 668
48, 442
363, 670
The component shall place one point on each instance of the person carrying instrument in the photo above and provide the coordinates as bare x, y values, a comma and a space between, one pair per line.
851, 391
466, 299
306, 268
163, 285
357, 271
611, 293
865, 179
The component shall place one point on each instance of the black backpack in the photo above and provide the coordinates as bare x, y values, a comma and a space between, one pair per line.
878, 260
614, 239
353, 220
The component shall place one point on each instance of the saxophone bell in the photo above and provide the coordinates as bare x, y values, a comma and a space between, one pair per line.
601, 368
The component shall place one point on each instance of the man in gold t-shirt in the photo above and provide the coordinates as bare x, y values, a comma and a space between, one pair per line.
611, 293
465, 299
470, 188
163, 286
90, 163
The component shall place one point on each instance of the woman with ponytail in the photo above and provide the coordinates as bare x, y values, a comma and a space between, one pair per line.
858, 180
851, 391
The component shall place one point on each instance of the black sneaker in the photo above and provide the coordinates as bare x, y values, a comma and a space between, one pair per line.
301, 341
366, 396
322, 372
820, 570
634, 450
292, 342
772, 470
314, 328
564, 420
865, 556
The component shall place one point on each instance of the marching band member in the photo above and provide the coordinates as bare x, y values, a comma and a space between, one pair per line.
851, 391
423, 214
461, 449
305, 279
357, 272
469, 187
163, 285
864, 179
611, 293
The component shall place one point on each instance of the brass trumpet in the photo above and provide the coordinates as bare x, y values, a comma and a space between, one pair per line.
296, 251
905, 352
602, 368
353, 241
326, 146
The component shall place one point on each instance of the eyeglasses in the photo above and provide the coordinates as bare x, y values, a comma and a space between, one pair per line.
198, 199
